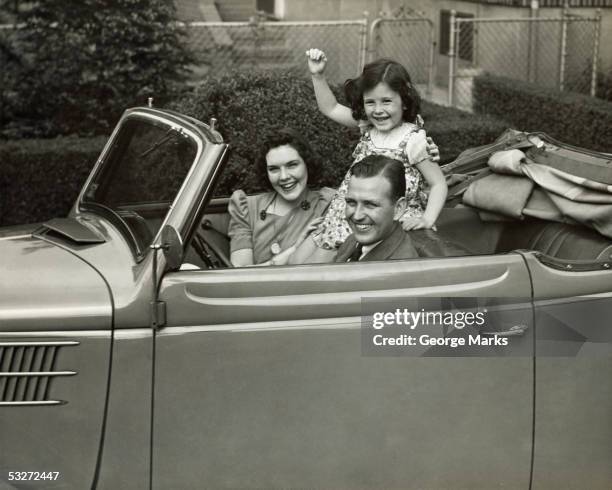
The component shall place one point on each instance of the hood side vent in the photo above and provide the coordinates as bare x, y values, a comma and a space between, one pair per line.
27, 370
73, 230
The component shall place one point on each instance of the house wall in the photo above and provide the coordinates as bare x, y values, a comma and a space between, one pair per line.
235, 10
331, 9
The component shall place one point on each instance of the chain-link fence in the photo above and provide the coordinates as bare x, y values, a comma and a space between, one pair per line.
559, 53
222, 46
409, 41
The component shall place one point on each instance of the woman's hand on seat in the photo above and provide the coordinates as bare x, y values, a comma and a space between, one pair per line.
417, 223
308, 229
283, 257
433, 151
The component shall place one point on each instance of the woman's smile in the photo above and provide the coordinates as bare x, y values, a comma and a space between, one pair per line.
288, 186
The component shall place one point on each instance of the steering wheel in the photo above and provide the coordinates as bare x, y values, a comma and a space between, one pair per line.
210, 253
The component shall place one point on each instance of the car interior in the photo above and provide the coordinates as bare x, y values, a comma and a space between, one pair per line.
461, 226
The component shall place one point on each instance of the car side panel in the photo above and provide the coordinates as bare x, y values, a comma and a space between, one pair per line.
55, 340
573, 422
125, 458
260, 382
64, 437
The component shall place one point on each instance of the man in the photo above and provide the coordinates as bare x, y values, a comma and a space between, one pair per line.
374, 201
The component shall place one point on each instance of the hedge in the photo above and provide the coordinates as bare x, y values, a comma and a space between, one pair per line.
572, 118
40, 179
250, 105
247, 106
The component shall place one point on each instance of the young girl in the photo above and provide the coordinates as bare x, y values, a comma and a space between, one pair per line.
385, 106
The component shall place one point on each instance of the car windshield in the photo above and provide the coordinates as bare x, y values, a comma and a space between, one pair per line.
141, 176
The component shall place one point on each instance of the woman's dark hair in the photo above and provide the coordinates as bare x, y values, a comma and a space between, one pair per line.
395, 76
286, 136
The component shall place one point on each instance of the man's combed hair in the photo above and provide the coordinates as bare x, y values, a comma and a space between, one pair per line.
389, 168
395, 76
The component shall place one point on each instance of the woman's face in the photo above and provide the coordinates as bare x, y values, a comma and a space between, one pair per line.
287, 172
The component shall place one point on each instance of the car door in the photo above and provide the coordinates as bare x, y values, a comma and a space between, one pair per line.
260, 381
573, 422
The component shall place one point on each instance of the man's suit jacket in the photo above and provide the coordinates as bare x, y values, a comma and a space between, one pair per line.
397, 245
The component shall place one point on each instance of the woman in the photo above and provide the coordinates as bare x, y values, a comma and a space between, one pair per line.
265, 229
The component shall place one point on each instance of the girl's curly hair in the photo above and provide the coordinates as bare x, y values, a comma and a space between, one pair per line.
395, 76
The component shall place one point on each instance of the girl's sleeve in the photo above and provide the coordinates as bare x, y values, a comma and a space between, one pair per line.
239, 229
416, 149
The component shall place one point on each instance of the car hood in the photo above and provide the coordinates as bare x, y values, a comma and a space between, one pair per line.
45, 287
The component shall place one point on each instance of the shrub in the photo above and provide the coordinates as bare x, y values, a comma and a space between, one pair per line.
604, 85
455, 131
84, 62
573, 118
41, 179
250, 105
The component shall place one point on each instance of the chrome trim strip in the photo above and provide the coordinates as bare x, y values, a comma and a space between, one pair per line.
41, 402
42, 343
344, 323
95, 312
36, 373
17, 237
133, 334
340, 298
59, 333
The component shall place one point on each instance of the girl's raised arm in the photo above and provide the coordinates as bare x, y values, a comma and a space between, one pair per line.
326, 100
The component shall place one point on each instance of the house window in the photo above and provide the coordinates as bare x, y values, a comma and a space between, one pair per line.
465, 49
266, 6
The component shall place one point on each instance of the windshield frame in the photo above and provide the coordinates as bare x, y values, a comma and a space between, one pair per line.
156, 118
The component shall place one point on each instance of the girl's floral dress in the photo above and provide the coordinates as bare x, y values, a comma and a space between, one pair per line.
411, 150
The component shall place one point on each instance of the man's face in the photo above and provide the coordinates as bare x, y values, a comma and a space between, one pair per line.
369, 208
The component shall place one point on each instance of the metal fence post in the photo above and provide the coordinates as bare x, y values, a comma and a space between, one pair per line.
596, 35
432, 51
451, 59
563, 49
374, 38
253, 24
533, 46
363, 49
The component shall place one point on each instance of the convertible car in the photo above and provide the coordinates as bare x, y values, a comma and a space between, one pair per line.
133, 356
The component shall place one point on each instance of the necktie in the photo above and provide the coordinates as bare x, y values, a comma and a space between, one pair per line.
356, 253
